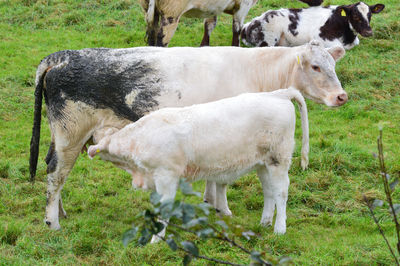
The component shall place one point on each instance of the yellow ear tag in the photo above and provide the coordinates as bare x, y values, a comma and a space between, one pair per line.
343, 13
97, 150
298, 60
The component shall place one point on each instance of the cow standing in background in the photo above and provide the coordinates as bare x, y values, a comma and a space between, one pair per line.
332, 25
90, 92
162, 16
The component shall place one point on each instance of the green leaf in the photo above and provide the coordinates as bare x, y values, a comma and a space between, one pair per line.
396, 208
187, 259
222, 224
188, 212
155, 198
186, 189
248, 234
376, 203
166, 208
145, 237
194, 222
393, 184
256, 256
190, 247
129, 235
205, 207
171, 243
204, 233
285, 261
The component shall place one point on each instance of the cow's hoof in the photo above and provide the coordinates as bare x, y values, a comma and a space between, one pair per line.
53, 225
62, 213
225, 212
266, 221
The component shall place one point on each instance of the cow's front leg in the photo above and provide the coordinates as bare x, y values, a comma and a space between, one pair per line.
209, 26
166, 31
166, 184
221, 200
238, 19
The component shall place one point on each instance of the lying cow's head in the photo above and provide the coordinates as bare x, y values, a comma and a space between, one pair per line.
316, 77
359, 16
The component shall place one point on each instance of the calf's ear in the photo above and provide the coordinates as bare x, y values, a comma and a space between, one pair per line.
377, 8
336, 52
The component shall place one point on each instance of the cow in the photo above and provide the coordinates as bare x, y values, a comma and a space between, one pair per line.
217, 141
92, 91
332, 25
170, 12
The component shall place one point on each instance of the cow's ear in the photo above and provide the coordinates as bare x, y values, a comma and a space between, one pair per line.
343, 11
377, 8
93, 150
336, 52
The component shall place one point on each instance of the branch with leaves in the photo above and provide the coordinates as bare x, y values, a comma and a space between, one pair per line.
389, 185
181, 217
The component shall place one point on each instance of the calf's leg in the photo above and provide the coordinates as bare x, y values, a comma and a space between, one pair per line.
166, 184
210, 193
221, 201
269, 201
238, 19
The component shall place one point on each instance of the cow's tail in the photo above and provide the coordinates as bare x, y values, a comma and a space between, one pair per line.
292, 93
34, 146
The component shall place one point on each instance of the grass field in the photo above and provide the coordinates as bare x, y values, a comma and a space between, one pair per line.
327, 222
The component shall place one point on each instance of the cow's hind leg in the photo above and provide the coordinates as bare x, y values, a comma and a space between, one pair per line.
221, 200
65, 160
210, 193
269, 202
209, 26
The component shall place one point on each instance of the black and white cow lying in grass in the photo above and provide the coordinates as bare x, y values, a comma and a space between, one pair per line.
332, 25
218, 141
92, 91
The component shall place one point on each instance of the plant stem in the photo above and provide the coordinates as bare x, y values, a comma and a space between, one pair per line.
380, 229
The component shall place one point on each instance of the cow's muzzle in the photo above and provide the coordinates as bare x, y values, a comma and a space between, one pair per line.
341, 99
366, 33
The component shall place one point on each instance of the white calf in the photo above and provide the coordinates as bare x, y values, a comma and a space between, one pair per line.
217, 141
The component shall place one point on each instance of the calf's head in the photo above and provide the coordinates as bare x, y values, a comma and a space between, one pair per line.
359, 16
316, 77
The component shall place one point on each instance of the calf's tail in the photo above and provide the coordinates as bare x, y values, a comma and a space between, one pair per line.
296, 95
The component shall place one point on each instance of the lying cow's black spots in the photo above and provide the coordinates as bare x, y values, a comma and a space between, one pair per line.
312, 2
271, 14
254, 33
102, 79
337, 26
294, 19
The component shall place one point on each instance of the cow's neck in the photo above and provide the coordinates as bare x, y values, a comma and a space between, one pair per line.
276, 69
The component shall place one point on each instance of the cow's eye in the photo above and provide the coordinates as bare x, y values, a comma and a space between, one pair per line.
316, 68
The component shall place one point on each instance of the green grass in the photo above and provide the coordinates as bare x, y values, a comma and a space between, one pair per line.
327, 223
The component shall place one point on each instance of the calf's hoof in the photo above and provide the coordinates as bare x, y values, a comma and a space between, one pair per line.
155, 239
267, 221
224, 212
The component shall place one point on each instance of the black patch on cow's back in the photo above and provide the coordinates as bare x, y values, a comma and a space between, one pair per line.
294, 20
337, 26
101, 78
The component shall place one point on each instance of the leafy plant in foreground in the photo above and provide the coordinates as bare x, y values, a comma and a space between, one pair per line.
181, 217
389, 185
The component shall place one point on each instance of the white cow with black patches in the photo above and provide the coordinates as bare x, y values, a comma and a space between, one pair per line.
92, 92
218, 141
332, 25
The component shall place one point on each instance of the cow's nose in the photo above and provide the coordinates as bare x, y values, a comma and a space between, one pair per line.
367, 33
341, 99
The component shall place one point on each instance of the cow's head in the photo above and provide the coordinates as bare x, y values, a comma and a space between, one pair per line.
316, 77
359, 16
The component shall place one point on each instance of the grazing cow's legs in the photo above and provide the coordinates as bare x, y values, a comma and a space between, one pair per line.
269, 202
279, 184
166, 31
210, 193
209, 26
221, 201
166, 185
66, 157
238, 19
